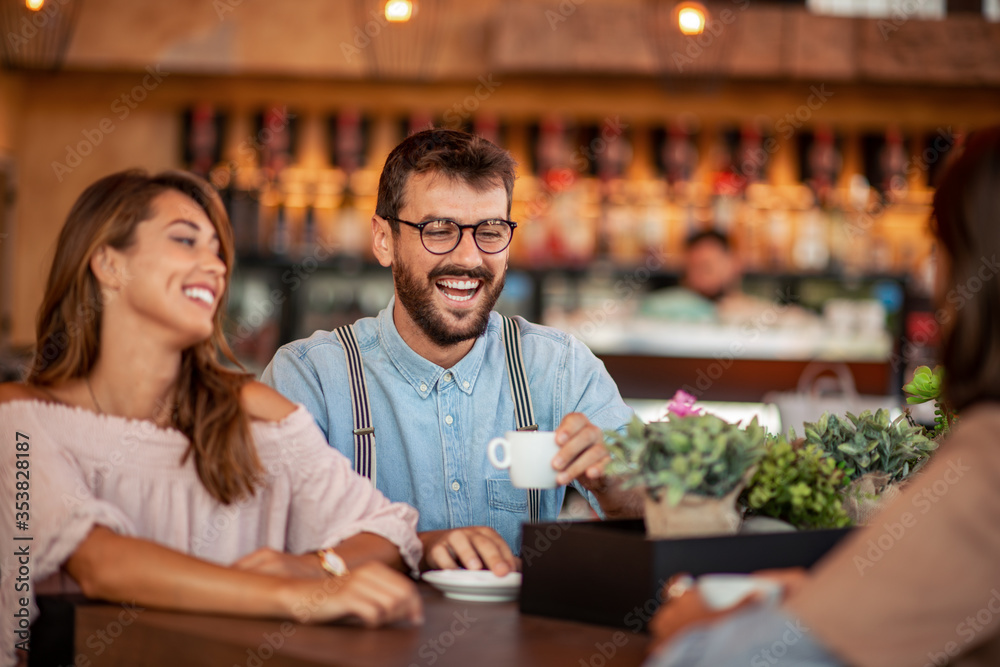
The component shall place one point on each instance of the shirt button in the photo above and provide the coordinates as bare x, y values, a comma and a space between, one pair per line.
423, 387
447, 377
466, 384
448, 420
455, 486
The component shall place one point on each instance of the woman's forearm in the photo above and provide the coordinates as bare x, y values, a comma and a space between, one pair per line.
365, 547
117, 568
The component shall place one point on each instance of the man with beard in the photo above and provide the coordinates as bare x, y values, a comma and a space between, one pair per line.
428, 378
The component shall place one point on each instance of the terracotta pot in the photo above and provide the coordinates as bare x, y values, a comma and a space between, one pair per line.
693, 516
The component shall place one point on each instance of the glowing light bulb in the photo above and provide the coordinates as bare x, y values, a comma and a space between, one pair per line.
398, 11
691, 18
34, 5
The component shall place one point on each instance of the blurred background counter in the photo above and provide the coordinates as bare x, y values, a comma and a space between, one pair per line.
810, 134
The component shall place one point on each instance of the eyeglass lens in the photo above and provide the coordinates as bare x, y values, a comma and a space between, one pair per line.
443, 236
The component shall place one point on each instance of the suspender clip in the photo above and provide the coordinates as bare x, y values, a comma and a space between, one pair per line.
365, 431
533, 427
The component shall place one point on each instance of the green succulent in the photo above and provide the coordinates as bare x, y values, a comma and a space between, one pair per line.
800, 485
926, 386
871, 443
698, 454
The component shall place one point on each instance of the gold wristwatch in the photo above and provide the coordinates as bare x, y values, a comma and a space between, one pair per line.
332, 563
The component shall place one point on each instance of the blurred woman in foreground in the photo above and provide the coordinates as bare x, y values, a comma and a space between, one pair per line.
155, 475
920, 585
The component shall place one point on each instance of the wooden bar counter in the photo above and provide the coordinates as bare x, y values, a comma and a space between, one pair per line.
455, 633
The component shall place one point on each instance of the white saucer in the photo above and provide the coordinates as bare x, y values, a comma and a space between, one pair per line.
475, 585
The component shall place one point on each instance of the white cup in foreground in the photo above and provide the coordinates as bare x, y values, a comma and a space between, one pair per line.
528, 455
721, 591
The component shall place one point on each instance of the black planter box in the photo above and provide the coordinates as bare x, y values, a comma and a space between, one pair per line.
607, 572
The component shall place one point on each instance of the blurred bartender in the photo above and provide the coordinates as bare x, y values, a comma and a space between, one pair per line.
711, 291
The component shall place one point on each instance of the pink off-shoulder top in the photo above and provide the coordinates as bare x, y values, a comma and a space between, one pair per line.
86, 469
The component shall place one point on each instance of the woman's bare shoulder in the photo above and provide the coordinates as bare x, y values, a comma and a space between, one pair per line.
13, 391
264, 403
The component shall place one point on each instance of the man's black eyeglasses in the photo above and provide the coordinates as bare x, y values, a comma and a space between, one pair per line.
442, 236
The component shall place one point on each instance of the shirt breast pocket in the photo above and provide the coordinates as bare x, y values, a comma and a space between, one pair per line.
508, 510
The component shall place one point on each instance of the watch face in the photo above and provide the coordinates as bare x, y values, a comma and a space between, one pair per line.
333, 563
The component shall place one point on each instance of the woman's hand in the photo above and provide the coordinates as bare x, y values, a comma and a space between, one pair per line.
280, 564
684, 607
373, 594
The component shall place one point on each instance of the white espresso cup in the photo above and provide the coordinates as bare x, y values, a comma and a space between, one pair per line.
528, 455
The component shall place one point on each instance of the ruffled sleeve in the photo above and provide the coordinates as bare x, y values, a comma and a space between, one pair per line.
61, 510
330, 502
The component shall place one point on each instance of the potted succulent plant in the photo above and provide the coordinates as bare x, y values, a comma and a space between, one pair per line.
876, 454
692, 468
798, 484
925, 385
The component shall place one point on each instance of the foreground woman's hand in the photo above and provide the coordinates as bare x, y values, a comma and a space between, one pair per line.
683, 606
474, 548
372, 594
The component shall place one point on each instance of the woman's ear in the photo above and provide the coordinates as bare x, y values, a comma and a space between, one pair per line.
382, 240
105, 264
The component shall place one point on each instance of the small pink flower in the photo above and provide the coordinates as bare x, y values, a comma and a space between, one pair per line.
682, 404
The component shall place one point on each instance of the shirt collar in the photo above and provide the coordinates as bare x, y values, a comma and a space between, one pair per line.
424, 375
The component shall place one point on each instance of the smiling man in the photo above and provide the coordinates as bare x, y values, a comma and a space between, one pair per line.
414, 395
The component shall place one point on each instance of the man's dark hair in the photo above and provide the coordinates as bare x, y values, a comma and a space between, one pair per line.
458, 155
965, 217
708, 235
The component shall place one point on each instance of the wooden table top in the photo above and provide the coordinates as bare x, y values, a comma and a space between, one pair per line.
455, 633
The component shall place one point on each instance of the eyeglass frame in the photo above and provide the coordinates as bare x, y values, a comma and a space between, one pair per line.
420, 227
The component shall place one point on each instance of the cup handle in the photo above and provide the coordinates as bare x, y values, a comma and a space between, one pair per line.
491, 453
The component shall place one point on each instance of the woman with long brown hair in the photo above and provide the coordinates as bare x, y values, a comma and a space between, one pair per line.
156, 473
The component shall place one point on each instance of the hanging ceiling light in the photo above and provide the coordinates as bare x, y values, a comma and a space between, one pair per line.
36, 33
691, 17
398, 11
399, 39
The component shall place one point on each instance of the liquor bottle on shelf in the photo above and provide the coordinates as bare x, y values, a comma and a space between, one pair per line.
280, 241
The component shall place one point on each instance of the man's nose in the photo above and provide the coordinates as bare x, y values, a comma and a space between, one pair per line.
467, 253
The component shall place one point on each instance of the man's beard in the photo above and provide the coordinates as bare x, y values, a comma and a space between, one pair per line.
417, 298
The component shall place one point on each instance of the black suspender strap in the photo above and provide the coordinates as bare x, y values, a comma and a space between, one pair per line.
364, 433
521, 395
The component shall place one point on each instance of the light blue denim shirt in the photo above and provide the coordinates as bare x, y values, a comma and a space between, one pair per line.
432, 424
